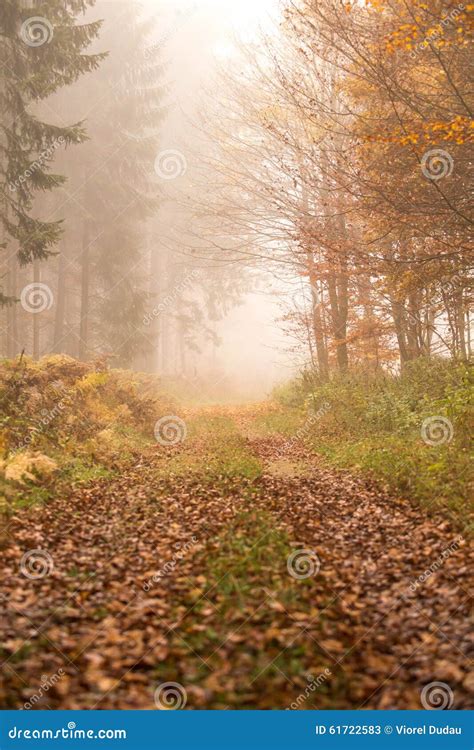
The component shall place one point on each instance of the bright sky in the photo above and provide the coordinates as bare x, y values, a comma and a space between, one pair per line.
244, 16
201, 33
226, 20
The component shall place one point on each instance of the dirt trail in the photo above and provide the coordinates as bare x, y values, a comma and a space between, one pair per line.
242, 591
400, 579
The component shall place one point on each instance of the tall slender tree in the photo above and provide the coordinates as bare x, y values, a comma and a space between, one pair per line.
116, 189
39, 55
42, 50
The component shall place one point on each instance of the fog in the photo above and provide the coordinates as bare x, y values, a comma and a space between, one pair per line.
188, 190
252, 353
236, 337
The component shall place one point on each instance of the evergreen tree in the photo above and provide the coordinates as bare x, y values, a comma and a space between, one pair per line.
41, 51
117, 167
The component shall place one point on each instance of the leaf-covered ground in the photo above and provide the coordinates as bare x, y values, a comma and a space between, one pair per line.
238, 566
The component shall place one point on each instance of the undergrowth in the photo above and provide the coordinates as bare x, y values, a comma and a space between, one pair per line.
64, 424
374, 422
213, 450
244, 595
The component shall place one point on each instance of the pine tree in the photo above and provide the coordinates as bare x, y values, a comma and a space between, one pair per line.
117, 167
41, 51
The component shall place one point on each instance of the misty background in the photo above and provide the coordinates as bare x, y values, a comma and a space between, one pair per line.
124, 282
194, 190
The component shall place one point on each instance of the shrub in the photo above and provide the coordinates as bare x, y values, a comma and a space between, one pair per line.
373, 422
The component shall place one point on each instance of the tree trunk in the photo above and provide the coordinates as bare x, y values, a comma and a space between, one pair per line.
153, 330
318, 329
85, 282
337, 288
12, 309
59, 319
398, 322
337, 278
461, 324
182, 346
36, 316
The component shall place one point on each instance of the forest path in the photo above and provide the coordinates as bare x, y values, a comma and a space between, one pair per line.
233, 570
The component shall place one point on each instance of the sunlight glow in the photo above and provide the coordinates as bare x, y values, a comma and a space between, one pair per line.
241, 15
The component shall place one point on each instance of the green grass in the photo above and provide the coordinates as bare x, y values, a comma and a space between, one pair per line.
372, 423
72, 472
438, 478
79, 471
285, 422
29, 495
251, 550
243, 589
213, 449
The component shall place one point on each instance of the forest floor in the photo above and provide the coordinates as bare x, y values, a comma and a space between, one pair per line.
233, 570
